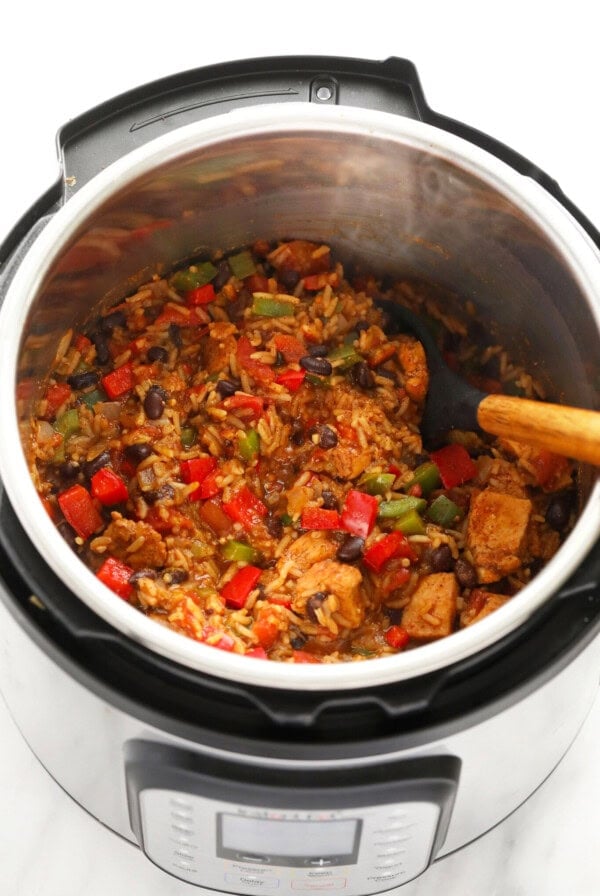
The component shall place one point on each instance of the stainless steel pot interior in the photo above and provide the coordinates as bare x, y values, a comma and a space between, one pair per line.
391, 195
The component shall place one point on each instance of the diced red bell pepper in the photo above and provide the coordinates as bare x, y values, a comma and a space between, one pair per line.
80, 511
235, 593
264, 373
119, 382
359, 513
301, 656
259, 653
115, 575
290, 347
291, 379
108, 488
81, 343
225, 642
393, 545
245, 508
254, 403
320, 518
266, 627
314, 282
256, 283
455, 465
201, 295
183, 317
212, 514
397, 637
548, 466
56, 395
209, 487
347, 432
172, 519
196, 470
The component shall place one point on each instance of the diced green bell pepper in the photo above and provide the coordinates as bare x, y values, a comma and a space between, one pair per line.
427, 476
266, 305
377, 483
444, 512
321, 381
391, 510
68, 423
249, 445
89, 399
188, 436
343, 357
410, 524
198, 274
242, 265
239, 552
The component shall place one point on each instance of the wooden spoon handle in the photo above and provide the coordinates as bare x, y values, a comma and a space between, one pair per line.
572, 432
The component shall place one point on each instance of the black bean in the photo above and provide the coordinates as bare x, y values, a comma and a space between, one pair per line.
313, 604
465, 573
174, 576
558, 512
297, 436
329, 500
321, 366
289, 279
393, 614
297, 641
113, 320
274, 526
83, 380
279, 359
175, 335
223, 275
68, 470
360, 375
96, 463
138, 452
317, 351
157, 353
239, 304
142, 574
165, 491
101, 343
441, 559
351, 549
154, 404
225, 388
362, 325
327, 437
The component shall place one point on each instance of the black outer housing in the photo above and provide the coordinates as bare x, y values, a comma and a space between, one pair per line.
269, 721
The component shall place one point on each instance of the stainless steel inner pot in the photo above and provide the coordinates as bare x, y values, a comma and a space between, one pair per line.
390, 194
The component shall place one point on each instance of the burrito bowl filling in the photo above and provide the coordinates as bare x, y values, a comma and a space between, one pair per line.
235, 451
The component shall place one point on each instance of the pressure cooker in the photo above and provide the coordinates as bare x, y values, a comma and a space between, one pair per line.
239, 775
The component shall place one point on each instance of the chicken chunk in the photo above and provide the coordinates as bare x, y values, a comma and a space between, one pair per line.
309, 549
345, 461
339, 580
134, 542
480, 604
216, 352
496, 533
413, 361
432, 608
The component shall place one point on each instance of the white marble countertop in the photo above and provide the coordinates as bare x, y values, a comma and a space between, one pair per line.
527, 75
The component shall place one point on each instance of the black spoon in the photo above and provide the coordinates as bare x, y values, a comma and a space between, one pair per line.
453, 404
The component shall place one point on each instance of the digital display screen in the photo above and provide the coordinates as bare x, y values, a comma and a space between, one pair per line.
289, 838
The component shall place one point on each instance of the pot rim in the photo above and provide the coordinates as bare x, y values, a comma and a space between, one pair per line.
570, 239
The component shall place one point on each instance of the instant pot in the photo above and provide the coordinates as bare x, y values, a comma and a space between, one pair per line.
235, 774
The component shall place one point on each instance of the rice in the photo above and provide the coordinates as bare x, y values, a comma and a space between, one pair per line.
248, 512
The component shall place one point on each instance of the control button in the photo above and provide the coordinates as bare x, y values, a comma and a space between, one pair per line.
247, 857
390, 838
181, 829
320, 884
252, 880
389, 863
185, 866
391, 851
385, 876
319, 863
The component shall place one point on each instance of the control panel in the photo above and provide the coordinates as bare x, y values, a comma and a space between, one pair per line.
232, 827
